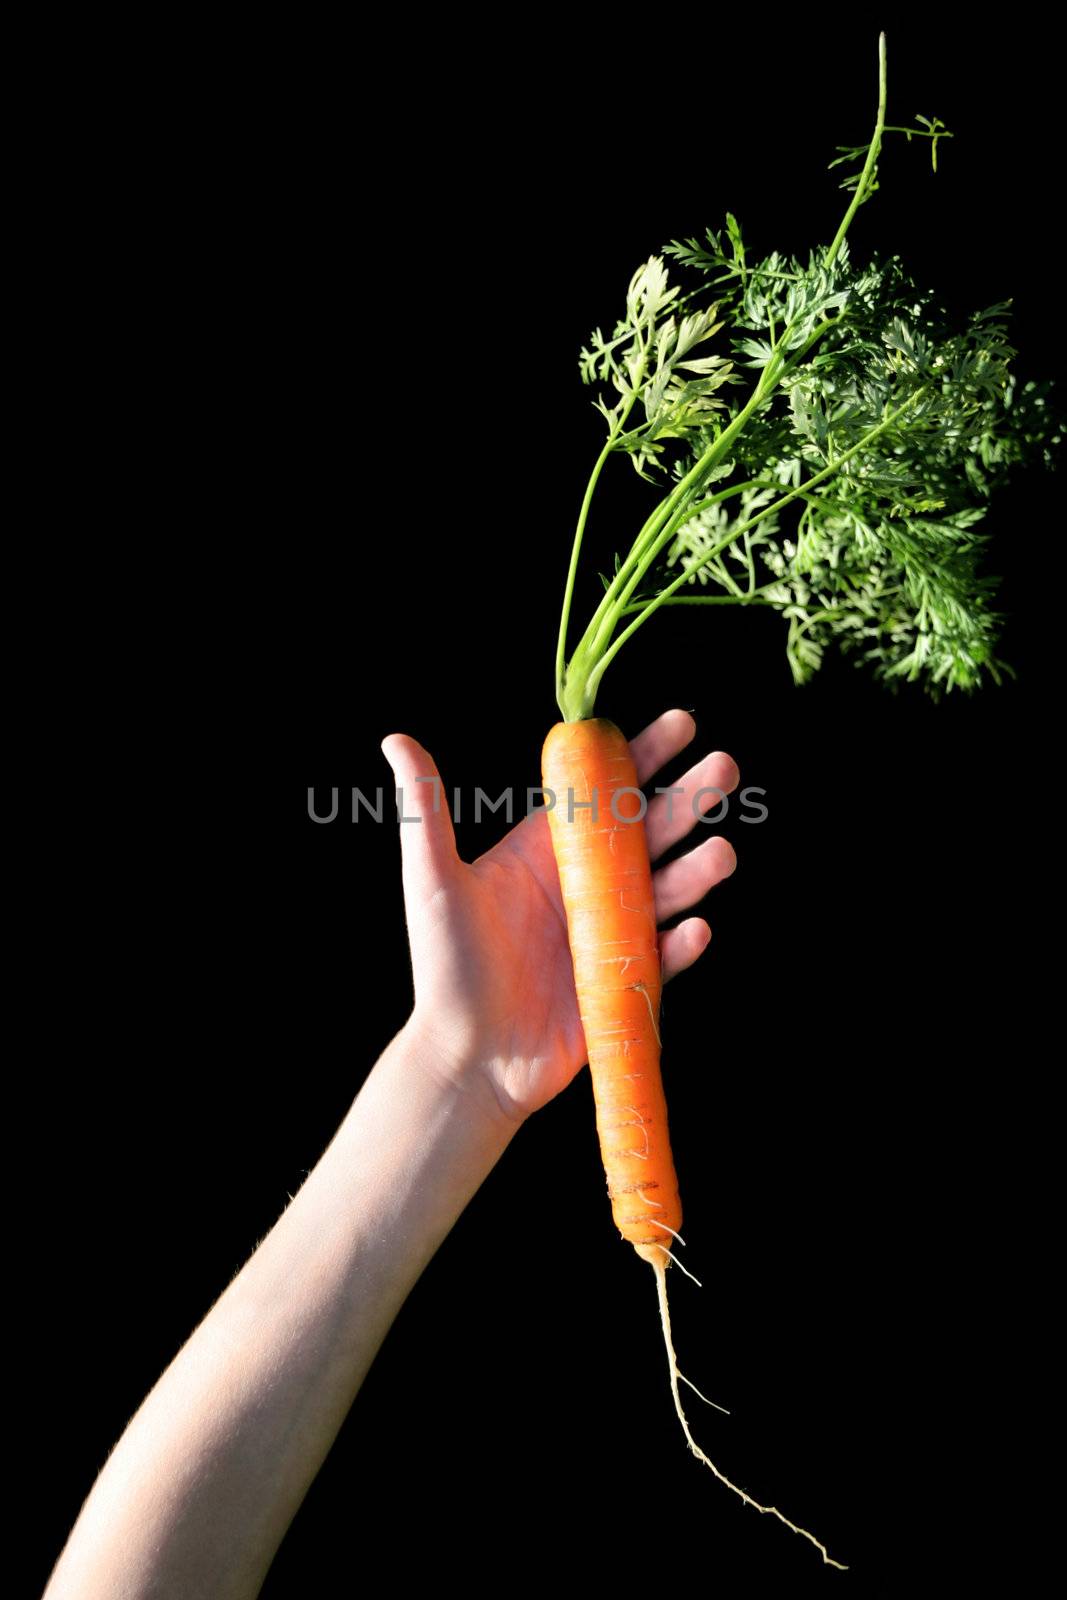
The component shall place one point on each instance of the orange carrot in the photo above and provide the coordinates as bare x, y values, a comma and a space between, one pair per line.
606, 882
596, 822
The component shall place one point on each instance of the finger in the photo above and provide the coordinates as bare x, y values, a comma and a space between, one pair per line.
682, 883
679, 947
671, 816
427, 841
660, 742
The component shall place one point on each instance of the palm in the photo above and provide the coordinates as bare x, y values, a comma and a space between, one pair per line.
489, 938
510, 905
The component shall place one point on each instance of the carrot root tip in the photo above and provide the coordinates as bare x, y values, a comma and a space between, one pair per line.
651, 1253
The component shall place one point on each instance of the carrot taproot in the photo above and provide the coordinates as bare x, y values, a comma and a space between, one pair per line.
605, 876
596, 821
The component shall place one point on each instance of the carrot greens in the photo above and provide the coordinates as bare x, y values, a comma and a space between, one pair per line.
844, 485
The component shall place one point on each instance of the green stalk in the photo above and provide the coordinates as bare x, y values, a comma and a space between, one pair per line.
872, 158
568, 593
653, 605
574, 703
749, 597
667, 518
676, 510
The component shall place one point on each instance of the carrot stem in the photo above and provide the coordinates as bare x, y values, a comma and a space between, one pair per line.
653, 605
867, 175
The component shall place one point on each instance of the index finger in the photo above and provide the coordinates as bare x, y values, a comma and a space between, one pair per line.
660, 742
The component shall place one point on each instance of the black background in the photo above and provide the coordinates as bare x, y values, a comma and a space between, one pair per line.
358, 441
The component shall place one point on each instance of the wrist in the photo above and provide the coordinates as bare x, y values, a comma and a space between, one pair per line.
455, 1062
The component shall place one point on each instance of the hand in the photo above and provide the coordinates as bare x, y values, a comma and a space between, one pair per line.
494, 984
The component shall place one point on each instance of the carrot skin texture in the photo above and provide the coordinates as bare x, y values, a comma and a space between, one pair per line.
605, 878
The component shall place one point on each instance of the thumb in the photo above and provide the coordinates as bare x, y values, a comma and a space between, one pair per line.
427, 841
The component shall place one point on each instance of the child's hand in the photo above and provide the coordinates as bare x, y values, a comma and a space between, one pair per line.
494, 986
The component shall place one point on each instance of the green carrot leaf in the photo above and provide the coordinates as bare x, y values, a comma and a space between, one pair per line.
828, 440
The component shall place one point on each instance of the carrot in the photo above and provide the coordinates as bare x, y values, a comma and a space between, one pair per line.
606, 881
864, 415
596, 820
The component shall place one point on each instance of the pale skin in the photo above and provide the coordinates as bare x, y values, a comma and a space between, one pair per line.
197, 1494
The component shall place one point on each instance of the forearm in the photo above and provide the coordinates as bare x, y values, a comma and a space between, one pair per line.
199, 1491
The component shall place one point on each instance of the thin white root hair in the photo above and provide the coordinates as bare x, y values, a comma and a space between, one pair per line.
677, 1263
640, 1123
652, 1014
660, 1270
703, 1397
663, 1225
